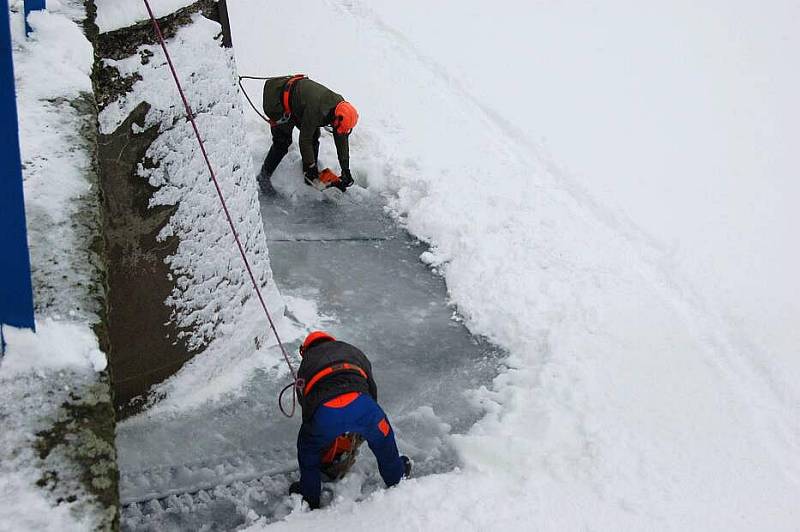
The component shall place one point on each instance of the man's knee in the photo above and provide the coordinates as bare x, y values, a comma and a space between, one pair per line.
282, 136
279, 148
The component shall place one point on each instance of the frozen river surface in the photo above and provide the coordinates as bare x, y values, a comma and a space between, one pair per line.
224, 466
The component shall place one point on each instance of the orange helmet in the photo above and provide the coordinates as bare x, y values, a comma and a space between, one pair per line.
314, 337
345, 118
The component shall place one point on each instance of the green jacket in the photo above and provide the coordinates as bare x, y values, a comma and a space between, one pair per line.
312, 107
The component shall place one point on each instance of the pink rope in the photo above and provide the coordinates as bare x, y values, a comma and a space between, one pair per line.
297, 382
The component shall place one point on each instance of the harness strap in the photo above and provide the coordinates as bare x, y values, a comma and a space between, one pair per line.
286, 98
343, 366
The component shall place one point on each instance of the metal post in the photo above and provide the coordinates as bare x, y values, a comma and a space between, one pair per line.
227, 40
32, 5
16, 298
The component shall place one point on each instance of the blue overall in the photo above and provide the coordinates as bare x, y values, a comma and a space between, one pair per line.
362, 416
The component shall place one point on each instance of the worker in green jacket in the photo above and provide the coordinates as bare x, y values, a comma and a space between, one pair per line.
296, 101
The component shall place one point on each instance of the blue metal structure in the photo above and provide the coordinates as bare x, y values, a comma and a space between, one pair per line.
32, 5
16, 297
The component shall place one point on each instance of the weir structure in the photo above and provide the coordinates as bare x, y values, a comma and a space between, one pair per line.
220, 465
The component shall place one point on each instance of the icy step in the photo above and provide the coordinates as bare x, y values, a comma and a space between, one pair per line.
229, 505
222, 507
159, 482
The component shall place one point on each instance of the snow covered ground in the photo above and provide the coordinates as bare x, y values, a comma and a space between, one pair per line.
37, 376
681, 116
45, 483
630, 401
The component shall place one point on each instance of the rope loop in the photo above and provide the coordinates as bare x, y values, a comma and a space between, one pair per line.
297, 385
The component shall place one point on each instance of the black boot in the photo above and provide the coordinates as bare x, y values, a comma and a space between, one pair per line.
310, 174
407, 466
264, 179
345, 181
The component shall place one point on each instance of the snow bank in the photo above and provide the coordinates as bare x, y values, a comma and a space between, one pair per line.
116, 14
684, 115
627, 401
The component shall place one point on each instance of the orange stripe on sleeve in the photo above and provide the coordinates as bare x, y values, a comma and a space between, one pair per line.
384, 427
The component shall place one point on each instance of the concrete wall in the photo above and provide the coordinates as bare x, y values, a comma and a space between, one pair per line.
176, 283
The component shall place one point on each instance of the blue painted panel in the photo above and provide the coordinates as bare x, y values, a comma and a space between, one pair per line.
16, 298
32, 5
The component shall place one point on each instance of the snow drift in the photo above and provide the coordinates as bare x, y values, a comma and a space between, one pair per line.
628, 401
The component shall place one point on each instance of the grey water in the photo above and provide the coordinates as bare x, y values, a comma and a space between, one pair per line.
218, 467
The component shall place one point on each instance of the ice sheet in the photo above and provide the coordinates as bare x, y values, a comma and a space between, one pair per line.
364, 275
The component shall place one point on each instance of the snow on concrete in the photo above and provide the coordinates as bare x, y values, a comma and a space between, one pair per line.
55, 345
65, 67
31, 510
116, 14
42, 485
23, 506
628, 402
213, 300
37, 375
51, 72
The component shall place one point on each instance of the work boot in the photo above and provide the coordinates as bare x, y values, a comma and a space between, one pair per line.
265, 183
407, 465
345, 181
310, 173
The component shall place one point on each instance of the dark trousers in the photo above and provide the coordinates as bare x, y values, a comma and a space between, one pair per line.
281, 140
363, 416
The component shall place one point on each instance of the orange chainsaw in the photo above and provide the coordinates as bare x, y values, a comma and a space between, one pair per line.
340, 456
328, 178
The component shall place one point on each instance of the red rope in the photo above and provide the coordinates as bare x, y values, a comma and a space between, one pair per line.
298, 383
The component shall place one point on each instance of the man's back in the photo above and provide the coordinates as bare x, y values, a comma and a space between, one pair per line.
330, 369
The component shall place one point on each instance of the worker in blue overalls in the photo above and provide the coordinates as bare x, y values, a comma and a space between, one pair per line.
339, 406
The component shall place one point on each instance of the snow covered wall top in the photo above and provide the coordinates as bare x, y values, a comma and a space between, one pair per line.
174, 266
116, 14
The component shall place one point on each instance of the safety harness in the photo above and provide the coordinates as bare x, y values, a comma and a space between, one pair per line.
335, 368
286, 100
